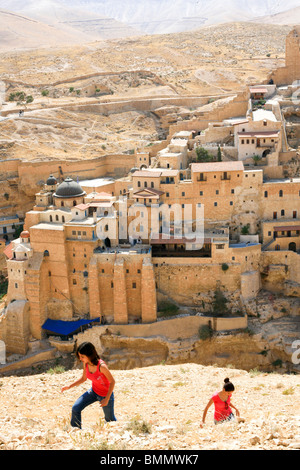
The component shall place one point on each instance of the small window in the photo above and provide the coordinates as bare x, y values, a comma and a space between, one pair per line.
215, 204
266, 194
134, 285
280, 193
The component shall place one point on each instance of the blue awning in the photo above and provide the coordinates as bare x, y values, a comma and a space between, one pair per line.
61, 327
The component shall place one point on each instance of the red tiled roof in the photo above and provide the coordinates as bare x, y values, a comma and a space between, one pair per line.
8, 251
82, 207
281, 228
148, 193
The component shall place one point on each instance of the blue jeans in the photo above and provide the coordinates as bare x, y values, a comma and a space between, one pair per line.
87, 399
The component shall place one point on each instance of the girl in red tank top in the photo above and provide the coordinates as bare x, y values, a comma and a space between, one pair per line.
222, 402
103, 384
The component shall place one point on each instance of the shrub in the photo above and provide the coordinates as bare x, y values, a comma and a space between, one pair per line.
139, 426
167, 308
205, 332
225, 267
245, 230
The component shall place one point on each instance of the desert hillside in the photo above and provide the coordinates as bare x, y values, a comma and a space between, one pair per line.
66, 84
157, 408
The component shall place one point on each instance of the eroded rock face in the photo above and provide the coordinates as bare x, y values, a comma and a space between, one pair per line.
240, 350
127, 353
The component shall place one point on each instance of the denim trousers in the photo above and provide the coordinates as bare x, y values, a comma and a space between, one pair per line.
87, 399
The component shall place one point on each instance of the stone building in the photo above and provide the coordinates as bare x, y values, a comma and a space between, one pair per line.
172, 228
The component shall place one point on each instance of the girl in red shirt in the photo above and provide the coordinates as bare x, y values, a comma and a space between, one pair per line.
223, 406
103, 384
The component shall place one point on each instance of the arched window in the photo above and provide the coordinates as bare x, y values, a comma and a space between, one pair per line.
46, 253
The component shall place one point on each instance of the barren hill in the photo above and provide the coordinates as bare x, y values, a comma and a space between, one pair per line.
21, 32
34, 414
69, 84
291, 16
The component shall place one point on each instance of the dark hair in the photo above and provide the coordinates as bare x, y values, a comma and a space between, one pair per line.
89, 350
228, 386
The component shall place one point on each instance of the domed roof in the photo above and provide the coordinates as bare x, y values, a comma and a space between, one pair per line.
25, 234
51, 181
69, 188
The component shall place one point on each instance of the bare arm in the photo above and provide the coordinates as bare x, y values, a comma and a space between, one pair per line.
78, 382
237, 411
108, 375
205, 411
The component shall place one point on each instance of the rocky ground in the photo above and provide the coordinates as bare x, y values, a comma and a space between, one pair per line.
157, 408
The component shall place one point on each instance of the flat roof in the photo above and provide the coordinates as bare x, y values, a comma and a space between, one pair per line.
217, 166
259, 134
261, 114
258, 90
48, 226
96, 182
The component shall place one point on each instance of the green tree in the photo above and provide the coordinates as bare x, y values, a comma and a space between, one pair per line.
256, 159
219, 303
219, 154
203, 155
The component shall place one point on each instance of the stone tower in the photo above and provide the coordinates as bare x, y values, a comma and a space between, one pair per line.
291, 71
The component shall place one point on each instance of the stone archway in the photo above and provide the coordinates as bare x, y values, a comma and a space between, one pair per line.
292, 246
265, 153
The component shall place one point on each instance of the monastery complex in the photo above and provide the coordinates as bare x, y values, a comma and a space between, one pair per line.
215, 208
